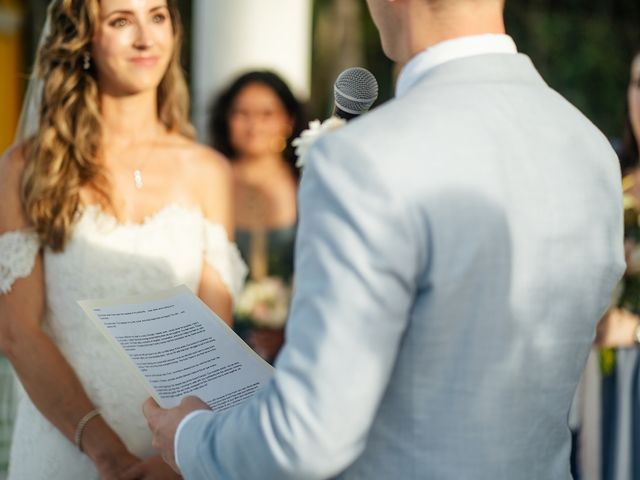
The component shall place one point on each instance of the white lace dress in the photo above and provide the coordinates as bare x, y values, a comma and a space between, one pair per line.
102, 259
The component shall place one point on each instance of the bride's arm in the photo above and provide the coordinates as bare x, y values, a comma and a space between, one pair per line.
48, 379
213, 183
215, 294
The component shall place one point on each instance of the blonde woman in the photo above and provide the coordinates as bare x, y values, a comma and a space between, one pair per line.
109, 196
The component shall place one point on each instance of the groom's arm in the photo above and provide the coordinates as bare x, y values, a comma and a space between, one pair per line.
357, 262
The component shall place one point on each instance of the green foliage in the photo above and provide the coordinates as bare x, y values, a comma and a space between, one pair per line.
348, 36
583, 49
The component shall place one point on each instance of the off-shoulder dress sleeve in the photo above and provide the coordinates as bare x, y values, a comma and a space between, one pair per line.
224, 257
18, 252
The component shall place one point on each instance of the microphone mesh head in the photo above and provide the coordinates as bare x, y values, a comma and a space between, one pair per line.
355, 90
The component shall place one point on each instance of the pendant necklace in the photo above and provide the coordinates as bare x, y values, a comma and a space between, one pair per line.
137, 172
137, 178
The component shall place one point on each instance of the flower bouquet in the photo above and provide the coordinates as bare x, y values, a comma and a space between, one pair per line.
264, 303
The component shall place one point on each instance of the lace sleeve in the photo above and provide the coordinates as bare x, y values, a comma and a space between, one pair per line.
224, 256
18, 251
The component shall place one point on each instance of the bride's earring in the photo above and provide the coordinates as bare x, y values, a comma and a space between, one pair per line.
279, 144
86, 60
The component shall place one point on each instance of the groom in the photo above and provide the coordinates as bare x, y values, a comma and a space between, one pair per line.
456, 249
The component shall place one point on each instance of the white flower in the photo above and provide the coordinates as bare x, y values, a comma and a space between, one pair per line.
264, 303
309, 136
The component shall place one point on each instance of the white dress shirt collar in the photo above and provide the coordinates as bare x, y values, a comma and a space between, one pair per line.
451, 50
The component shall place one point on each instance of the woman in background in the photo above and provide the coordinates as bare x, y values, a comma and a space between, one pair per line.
108, 195
252, 123
618, 333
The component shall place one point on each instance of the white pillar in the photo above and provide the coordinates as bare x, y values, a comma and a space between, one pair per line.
232, 36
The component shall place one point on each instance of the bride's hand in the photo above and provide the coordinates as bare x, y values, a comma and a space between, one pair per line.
153, 468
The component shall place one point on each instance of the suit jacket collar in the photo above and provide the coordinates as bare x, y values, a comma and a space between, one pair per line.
490, 68
449, 50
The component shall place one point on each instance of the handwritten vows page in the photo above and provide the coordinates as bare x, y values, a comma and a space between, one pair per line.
180, 347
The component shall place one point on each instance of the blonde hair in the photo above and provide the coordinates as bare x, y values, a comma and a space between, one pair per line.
64, 155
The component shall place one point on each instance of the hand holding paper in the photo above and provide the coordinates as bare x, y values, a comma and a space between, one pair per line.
164, 423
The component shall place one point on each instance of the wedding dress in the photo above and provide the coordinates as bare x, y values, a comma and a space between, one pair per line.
104, 258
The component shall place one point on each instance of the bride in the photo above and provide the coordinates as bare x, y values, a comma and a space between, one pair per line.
108, 195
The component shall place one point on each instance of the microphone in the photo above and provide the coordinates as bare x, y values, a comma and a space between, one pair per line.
354, 92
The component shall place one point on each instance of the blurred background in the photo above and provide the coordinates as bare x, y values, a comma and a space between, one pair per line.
582, 48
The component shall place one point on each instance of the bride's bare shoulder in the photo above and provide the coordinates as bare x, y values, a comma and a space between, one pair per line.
12, 163
202, 163
209, 178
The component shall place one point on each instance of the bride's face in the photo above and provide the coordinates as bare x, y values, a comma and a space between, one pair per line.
132, 45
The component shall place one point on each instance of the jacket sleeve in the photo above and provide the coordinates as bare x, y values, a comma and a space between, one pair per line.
356, 275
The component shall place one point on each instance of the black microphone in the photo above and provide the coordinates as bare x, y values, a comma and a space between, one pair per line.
355, 91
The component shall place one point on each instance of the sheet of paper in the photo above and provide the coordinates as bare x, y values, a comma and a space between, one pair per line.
179, 347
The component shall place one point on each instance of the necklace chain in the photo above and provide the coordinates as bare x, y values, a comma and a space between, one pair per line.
137, 172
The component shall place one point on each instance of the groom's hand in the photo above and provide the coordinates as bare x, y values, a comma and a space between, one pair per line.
163, 424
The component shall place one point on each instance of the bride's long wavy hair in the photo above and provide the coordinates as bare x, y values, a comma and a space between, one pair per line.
64, 154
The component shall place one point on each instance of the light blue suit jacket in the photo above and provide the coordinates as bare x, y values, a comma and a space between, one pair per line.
456, 248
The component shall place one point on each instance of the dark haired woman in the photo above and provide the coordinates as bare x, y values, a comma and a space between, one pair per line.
252, 123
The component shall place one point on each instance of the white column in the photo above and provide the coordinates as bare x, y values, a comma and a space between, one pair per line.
232, 36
